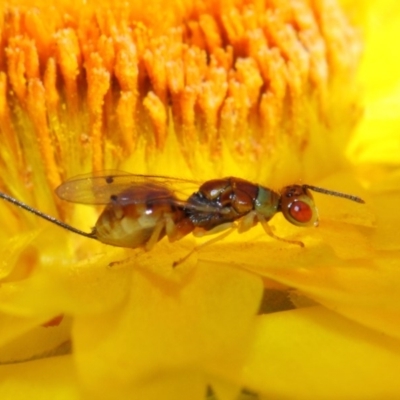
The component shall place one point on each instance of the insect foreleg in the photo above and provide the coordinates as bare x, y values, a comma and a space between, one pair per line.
269, 232
247, 222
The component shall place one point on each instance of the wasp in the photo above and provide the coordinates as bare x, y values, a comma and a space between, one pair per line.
142, 209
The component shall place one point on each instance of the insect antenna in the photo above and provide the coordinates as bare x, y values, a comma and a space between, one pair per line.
334, 193
91, 235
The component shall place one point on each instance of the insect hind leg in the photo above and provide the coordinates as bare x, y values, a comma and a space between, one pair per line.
156, 235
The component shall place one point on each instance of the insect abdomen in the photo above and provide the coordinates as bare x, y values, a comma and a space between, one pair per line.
126, 226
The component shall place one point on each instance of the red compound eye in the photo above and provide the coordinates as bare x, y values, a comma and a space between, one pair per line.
300, 211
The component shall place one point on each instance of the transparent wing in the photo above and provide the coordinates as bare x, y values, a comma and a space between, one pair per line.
123, 188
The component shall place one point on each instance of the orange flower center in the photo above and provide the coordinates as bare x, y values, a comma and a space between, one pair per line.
82, 88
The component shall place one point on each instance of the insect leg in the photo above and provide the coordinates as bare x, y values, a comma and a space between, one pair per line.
247, 222
269, 232
228, 229
155, 236
200, 232
176, 231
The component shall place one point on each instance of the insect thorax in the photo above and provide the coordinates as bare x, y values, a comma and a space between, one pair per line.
267, 202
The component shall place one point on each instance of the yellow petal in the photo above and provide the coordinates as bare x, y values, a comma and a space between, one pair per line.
387, 236
167, 327
31, 380
315, 354
24, 339
88, 286
377, 139
381, 28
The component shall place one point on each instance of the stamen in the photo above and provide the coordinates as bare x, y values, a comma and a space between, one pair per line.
98, 85
36, 108
237, 79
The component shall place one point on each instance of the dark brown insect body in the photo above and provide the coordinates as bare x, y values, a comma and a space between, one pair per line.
232, 196
140, 210
248, 203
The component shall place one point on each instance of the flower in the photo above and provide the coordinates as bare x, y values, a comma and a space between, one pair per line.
196, 90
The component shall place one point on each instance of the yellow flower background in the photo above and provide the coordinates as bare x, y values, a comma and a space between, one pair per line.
277, 92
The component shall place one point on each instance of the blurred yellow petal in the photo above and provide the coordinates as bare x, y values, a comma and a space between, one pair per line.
381, 27
317, 354
48, 378
24, 339
166, 327
377, 140
386, 236
69, 286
